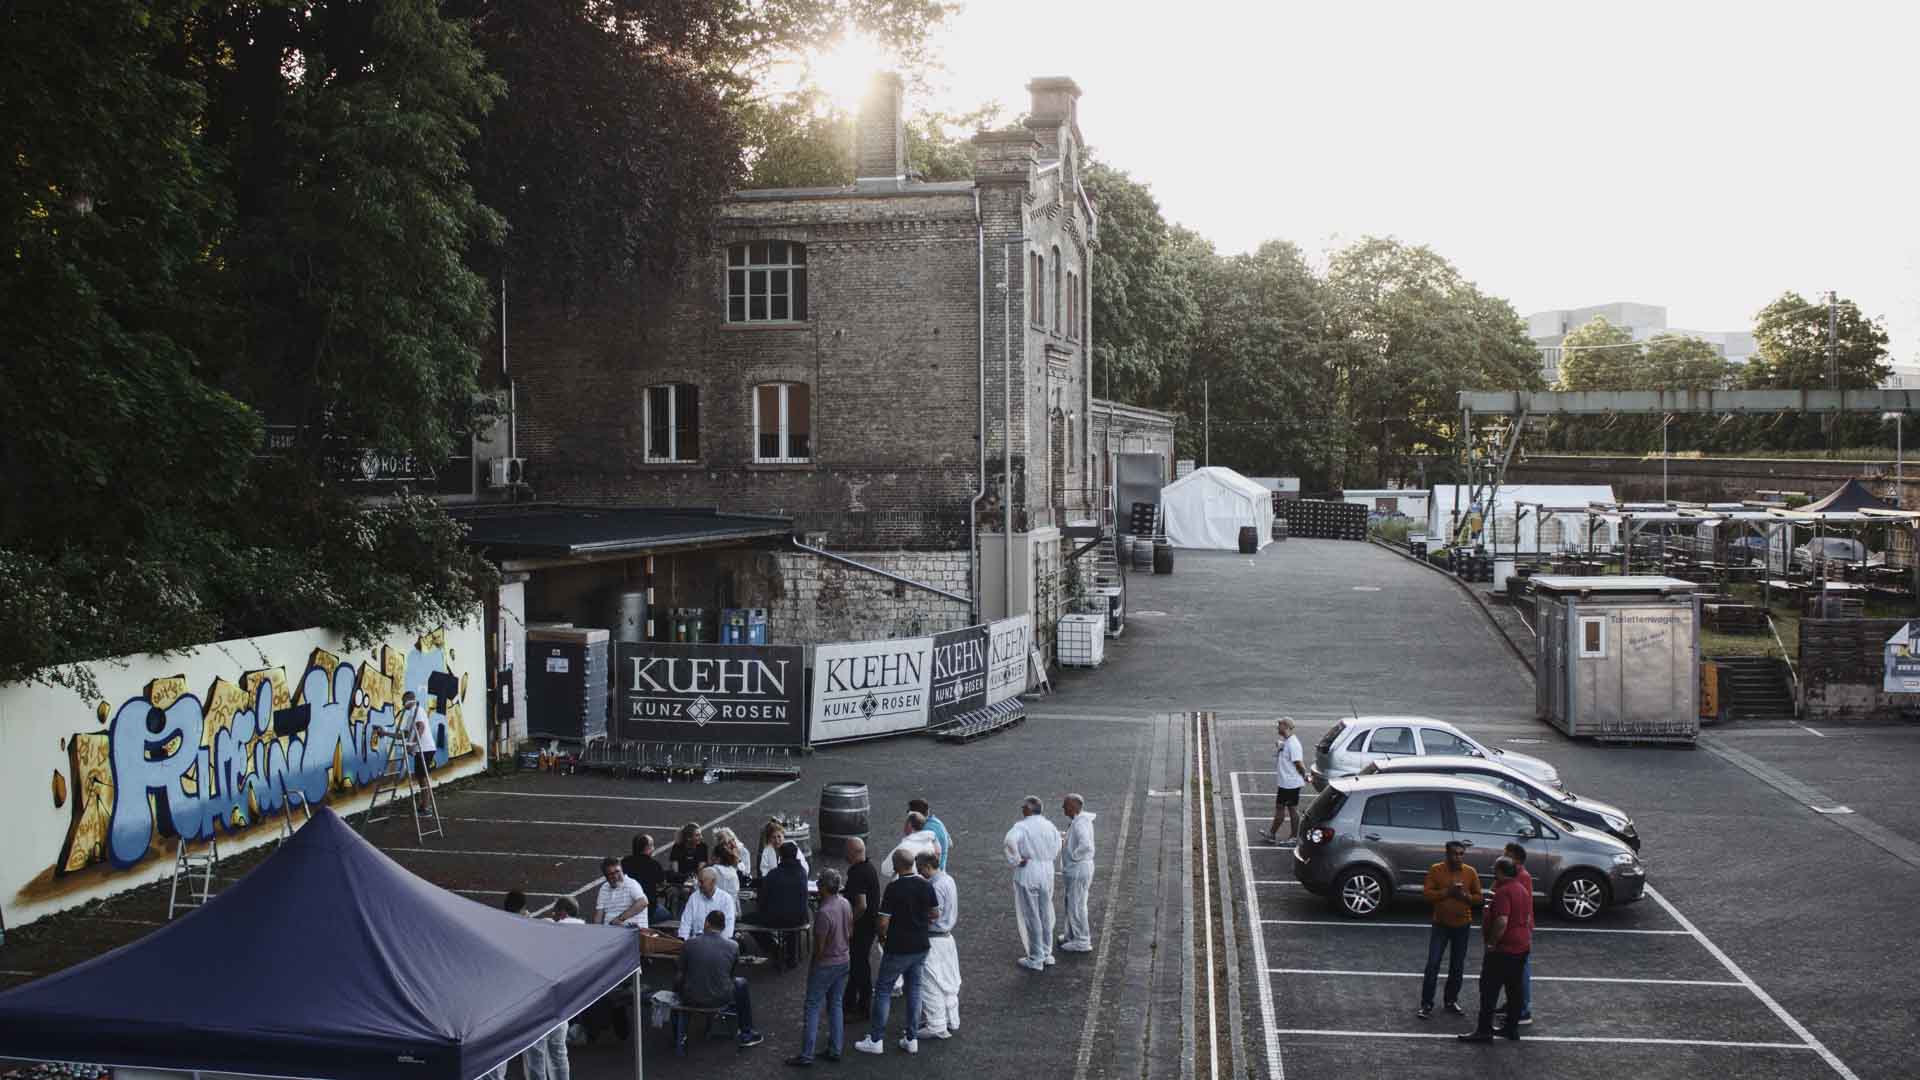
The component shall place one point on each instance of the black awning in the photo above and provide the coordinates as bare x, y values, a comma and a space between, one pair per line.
548, 531
1849, 498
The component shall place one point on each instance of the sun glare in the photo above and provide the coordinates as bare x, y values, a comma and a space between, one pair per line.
843, 70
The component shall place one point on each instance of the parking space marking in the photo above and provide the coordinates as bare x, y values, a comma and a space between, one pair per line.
1611, 1039
1274, 1068
1536, 978
491, 854
566, 824
1766, 999
606, 798
1428, 925
1293, 883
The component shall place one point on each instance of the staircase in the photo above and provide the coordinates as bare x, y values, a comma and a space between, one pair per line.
1755, 688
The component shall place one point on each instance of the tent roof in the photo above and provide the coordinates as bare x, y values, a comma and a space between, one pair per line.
1557, 495
1851, 497
1224, 477
328, 960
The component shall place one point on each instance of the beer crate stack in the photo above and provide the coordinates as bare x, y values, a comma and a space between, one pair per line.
1322, 519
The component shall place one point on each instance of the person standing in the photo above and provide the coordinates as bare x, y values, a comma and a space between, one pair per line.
1519, 856
827, 974
1509, 938
907, 911
940, 989
863, 895
1289, 776
1076, 867
1031, 846
935, 826
1453, 888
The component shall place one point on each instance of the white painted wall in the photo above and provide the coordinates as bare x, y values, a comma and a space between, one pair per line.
85, 782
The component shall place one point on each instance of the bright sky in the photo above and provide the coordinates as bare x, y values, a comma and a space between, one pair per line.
1701, 155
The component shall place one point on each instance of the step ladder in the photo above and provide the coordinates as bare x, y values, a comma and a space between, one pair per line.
403, 749
195, 871
287, 799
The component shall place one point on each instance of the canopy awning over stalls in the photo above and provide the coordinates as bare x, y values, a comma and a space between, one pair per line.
328, 961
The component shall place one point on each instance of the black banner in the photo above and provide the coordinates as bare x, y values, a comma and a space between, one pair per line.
740, 694
959, 674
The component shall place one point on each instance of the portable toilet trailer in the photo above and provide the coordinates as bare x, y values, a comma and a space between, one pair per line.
1618, 658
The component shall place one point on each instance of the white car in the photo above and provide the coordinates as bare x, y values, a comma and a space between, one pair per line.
1357, 741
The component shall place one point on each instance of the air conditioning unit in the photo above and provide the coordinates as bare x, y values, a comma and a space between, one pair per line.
506, 472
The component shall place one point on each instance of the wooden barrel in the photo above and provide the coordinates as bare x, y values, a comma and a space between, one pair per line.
1249, 540
844, 813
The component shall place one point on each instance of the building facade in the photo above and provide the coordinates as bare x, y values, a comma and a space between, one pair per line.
1644, 321
900, 368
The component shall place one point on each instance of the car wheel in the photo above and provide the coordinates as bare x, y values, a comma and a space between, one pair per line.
1361, 893
1580, 896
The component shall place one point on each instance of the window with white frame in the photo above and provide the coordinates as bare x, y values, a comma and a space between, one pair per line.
782, 422
672, 422
767, 282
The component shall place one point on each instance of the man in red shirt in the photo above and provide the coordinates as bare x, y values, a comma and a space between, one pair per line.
1509, 938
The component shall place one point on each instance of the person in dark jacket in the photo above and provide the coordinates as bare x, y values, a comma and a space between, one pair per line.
783, 901
707, 981
642, 867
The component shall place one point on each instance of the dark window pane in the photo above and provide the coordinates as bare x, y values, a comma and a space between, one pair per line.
757, 308
777, 282
800, 446
776, 251
736, 283
777, 308
799, 421
736, 254
800, 254
759, 252
1416, 810
737, 309
1376, 812
687, 421
800, 295
767, 419
769, 445
657, 429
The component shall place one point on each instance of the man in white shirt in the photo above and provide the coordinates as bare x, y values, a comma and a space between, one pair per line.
915, 837
414, 716
940, 978
1290, 774
708, 897
1031, 846
621, 902
1077, 868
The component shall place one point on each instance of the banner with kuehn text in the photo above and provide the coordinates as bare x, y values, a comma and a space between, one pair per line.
959, 674
1008, 643
741, 694
867, 688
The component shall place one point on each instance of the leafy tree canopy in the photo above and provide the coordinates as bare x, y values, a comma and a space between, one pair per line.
1792, 338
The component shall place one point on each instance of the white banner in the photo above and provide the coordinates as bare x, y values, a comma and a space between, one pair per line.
867, 688
1008, 642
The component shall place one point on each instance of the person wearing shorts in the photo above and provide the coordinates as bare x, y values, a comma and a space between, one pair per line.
1290, 774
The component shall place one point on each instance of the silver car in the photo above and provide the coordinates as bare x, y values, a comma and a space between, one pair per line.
1358, 741
1556, 802
1366, 838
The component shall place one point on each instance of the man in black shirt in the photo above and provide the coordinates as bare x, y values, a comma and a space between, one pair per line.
863, 892
707, 981
907, 911
642, 867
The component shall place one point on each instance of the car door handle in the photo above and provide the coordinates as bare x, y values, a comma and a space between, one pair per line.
1371, 836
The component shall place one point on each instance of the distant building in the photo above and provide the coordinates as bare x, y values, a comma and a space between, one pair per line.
1549, 329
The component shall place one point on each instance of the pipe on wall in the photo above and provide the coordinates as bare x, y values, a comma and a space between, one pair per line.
888, 574
974, 555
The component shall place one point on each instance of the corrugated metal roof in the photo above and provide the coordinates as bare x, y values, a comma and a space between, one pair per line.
551, 530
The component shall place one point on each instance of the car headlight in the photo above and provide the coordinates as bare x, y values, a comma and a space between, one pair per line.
1617, 824
1628, 863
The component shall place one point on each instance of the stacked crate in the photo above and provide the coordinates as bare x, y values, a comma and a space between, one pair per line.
1322, 519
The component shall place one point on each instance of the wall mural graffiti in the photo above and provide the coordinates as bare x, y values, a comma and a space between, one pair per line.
170, 764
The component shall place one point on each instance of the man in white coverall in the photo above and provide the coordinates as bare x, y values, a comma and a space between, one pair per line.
1077, 867
940, 979
1031, 847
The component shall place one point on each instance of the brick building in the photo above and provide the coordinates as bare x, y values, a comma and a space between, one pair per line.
900, 368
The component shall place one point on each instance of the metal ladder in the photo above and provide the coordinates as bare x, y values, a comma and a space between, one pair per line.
287, 796
403, 748
196, 872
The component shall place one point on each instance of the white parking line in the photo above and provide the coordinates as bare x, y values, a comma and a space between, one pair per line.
1427, 925
1274, 1067
1294, 883
566, 824
1611, 1039
1766, 999
1536, 978
604, 798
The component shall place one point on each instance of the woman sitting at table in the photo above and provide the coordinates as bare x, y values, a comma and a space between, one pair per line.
689, 853
726, 864
772, 835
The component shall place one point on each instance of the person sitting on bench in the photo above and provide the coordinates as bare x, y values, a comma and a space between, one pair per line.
707, 981
783, 903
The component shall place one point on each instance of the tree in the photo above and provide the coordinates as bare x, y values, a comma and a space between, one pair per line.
1791, 335
1145, 312
1676, 362
1408, 333
1600, 356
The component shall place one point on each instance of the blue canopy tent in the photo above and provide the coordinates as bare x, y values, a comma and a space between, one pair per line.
328, 961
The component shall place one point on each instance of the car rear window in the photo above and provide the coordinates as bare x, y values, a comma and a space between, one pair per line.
1324, 808
1332, 735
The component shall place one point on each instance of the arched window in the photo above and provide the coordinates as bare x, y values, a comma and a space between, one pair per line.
1037, 290
767, 282
782, 422
671, 419
1058, 292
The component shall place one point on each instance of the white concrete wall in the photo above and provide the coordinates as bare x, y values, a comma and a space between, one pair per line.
190, 744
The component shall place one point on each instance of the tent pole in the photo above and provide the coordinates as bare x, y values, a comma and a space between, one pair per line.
639, 1053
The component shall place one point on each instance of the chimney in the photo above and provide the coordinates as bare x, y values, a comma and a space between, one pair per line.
1054, 118
880, 135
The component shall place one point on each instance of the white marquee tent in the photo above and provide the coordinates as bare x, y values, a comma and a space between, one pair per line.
1506, 531
1207, 508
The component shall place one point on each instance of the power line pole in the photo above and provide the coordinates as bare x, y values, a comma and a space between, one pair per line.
1833, 361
